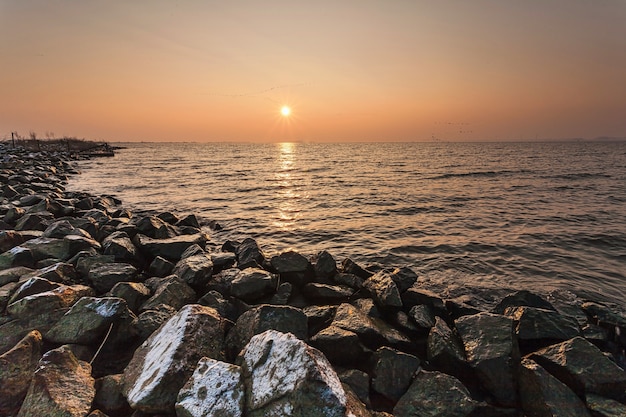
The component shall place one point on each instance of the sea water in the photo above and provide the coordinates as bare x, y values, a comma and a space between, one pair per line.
478, 218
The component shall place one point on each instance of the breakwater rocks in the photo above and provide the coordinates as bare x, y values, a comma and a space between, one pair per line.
106, 312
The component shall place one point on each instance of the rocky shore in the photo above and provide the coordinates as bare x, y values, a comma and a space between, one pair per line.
106, 312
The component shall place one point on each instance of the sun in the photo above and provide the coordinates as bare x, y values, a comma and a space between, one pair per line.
285, 111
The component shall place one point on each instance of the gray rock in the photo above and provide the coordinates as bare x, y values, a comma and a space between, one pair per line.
327, 293
45, 248
359, 382
584, 368
57, 272
522, 298
319, 317
163, 363
444, 349
121, 247
155, 228
5, 294
109, 396
59, 229
293, 268
34, 221
172, 292
60, 298
367, 306
349, 280
351, 267
383, 290
31, 286
418, 296
11, 238
195, 270
283, 293
491, 349
160, 267
541, 394
252, 284
88, 320
423, 316
104, 277
435, 394
11, 332
286, 377
404, 278
325, 265
78, 243
171, 248
264, 317
341, 347
393, 372
191, 251
62, 386
150, 320
538, 323
605, 407
17, 256
84, 264
134, 293
214, 389
13, 274
16, 372
189, 220
249, 253
223, 260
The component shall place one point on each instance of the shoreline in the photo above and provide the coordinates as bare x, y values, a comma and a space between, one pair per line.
84, 271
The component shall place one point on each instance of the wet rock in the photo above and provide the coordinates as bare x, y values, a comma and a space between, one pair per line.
584, 368
171, 248
121, 247
104, 277
150, 320
604, 407
62, 386
195, 270
172, 292
109, 397
492, 351
189, 220
214, 389
383, 290
249, 253
163, 363
393, 372
168, 217
324, 293
293, 267
252, 284
60, 298
341, 347
286, 377
265, 317
134, 293
88, 320
522, 299
349, 280
155, 228
325, 265
160, 267
404, 278
435, 394
541, 394
16, 372
540, 324
351, 267
444, 350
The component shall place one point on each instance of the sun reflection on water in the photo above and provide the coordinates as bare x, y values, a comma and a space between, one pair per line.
287, 194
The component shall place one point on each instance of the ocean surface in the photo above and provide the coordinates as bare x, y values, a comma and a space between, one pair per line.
475, 219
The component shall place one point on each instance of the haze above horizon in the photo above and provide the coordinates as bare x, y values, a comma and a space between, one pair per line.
347, 71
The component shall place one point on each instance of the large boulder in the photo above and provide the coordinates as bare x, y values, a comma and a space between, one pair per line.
121, 247
325, 265
584, 368
541, 394
172, 292
393, 372
542, 324
165, 361
62, 297
341, 347
605, 407
62, 386
88, 320
444, 349
264, 317
215, 389
104, 277
435, 394
286, 377
16, 372
293, 267
249, 254
156, 228
491, 349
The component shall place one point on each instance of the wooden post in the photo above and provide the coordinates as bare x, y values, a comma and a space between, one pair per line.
13, 139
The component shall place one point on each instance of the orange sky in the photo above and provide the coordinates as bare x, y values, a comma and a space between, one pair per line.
351, 70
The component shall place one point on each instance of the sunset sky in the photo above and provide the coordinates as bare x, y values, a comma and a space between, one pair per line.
191, 70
